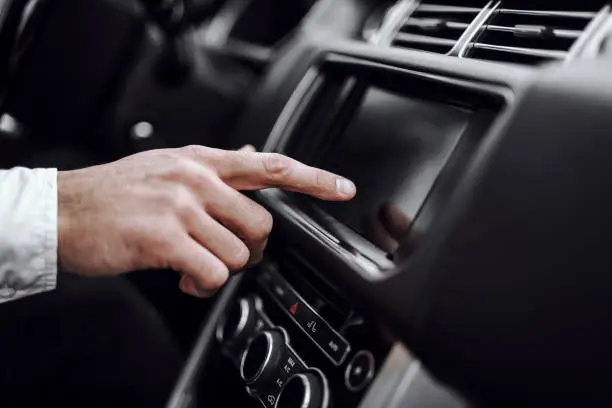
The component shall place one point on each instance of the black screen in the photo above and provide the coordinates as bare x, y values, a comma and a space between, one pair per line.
394, 149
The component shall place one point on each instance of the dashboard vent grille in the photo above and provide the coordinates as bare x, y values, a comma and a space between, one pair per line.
434, 27
529, 36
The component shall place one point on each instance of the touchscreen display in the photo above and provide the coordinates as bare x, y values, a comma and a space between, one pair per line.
394, 149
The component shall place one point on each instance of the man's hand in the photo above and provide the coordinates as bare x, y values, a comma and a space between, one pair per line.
178, 209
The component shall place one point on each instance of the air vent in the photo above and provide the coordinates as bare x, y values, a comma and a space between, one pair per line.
434, 27
530, 36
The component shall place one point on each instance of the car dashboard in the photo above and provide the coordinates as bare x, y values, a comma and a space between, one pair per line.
477, 133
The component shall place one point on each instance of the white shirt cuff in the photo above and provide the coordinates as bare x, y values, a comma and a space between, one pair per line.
28, 232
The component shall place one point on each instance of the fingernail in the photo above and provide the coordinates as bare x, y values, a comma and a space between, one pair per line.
189, 286
345, 187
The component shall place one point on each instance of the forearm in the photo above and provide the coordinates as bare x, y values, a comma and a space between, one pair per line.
28, 232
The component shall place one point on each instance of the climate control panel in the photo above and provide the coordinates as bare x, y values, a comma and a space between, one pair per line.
267, 362
299, 349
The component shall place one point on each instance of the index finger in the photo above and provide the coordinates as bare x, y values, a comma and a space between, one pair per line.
255, 171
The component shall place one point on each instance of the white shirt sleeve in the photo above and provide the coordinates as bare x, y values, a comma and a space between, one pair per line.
28, 232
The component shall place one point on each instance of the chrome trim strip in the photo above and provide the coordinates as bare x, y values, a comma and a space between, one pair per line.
393, 22
589, 33
438, 8
245, 311
550, 13
326, 403
290, 110
473, 31
534, 31
366, 269
262, 367
592, 49
325, 400
434, 24
307, 391
550, 54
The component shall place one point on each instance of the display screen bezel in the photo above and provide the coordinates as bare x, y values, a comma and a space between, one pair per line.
326, 108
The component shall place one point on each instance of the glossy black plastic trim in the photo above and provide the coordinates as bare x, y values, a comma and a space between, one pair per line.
346, 245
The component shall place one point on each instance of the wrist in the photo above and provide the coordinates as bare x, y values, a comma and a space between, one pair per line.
64, 205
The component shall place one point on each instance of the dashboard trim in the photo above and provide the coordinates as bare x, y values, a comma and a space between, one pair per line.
401, 377
587, 36
593, 33
393, 21
309, 84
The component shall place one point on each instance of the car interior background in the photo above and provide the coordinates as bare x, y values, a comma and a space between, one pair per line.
471, 270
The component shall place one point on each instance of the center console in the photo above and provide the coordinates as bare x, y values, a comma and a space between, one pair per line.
296, 341
291, 334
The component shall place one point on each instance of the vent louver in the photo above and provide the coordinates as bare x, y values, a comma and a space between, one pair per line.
434, 27
517, 31
529, 36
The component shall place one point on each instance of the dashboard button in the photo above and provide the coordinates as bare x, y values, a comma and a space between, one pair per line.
360, 371
307, 390
332, 344
263, 359
283, 293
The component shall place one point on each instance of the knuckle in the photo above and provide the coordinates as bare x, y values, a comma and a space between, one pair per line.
182, 201
193, 151
277, 166
205, 155
165, 199
162, 253
323, 181
199, 177
181, 169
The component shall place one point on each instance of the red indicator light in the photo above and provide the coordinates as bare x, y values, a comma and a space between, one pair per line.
293, 309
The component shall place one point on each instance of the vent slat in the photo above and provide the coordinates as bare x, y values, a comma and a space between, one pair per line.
434, 24
530, 36
437, 8
549, 54
586, 15
536, 31
434, 27
423, 39
513, 31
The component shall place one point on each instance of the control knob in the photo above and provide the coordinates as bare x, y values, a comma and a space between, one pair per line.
262, 359
307, 390
238, 323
